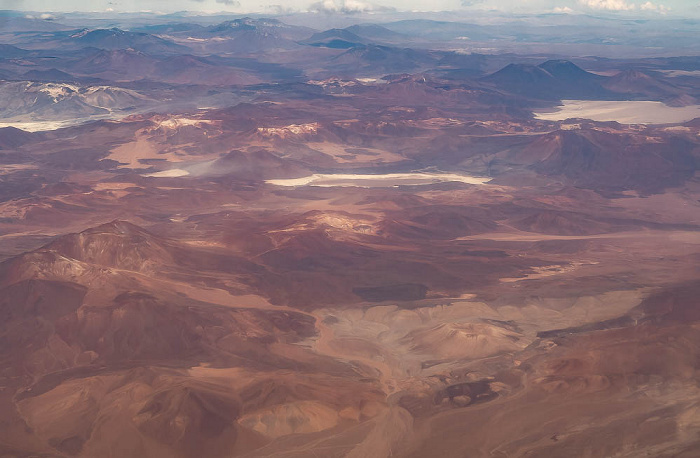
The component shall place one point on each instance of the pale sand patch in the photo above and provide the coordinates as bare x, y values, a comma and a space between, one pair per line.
118, 190
107, 186
9, 168
540, 313
176, 122
521, 236
396, 342
626, 112
290, 130
200, 243
129, 154
172, 173
370, 181
300, 417
39, 126
548, 271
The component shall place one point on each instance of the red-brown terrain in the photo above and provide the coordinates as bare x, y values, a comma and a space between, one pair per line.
352, 253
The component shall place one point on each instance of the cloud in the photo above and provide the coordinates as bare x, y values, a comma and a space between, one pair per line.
562, 9
468, 3
345, 7
280, 9
44, 16
610, 5
235, 3
648, 6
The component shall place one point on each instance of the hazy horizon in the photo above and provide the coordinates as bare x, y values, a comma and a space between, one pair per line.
617, 8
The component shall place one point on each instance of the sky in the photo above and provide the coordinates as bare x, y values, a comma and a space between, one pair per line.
620, 7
